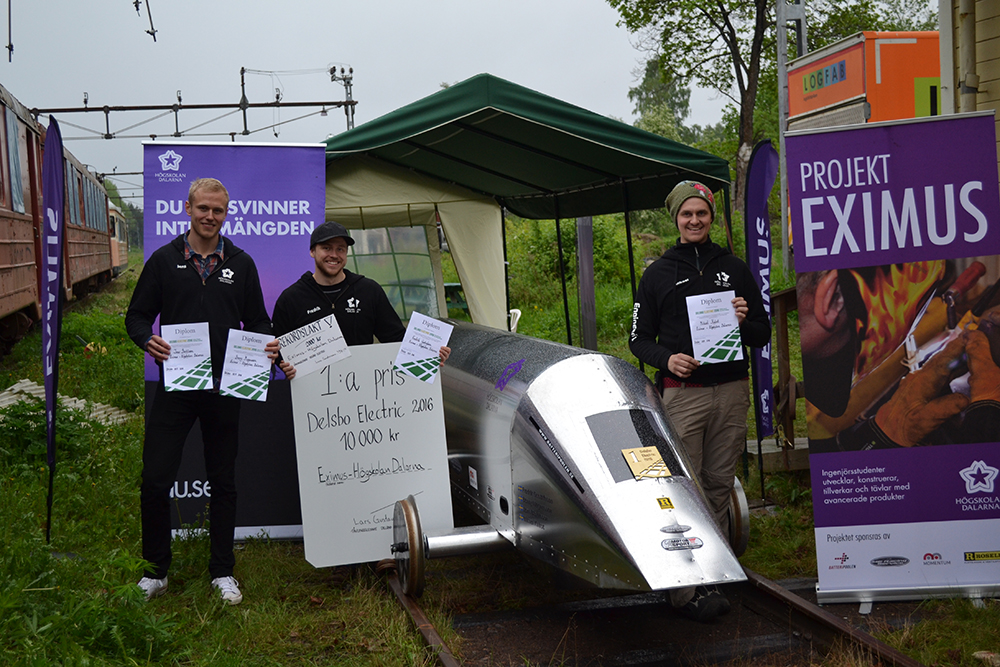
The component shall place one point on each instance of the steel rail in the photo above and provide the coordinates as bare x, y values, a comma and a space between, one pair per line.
420, 620
820, 626
813, 624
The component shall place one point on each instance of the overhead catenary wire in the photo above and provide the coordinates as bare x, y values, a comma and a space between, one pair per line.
187, 133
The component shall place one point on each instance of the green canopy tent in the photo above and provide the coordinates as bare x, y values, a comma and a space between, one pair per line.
493, 143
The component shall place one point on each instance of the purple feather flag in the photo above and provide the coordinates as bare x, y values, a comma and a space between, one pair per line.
52, 272
761, 172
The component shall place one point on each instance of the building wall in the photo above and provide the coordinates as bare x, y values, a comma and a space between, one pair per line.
988, 59
987, 55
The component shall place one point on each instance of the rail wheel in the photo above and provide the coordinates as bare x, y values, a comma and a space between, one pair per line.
408, 546
739, 519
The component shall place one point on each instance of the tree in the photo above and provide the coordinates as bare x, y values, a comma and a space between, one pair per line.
657, 90
719, 44
133, 214
830, 21
113, 193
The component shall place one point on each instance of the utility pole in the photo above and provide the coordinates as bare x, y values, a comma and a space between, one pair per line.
787, 13
346, 78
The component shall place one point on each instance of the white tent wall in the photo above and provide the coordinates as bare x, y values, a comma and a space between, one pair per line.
362, 193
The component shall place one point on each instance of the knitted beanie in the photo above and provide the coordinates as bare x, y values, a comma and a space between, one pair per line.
684, 191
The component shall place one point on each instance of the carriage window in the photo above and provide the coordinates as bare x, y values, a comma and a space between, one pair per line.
14, 159
73, 212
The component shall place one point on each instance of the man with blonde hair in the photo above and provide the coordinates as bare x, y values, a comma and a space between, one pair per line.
199, 276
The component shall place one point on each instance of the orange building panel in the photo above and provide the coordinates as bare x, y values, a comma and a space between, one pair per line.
827, 82
896, 73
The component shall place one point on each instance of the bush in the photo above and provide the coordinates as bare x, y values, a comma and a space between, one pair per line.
23, 433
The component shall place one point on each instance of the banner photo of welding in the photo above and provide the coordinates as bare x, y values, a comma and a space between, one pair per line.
366, 435
898, 285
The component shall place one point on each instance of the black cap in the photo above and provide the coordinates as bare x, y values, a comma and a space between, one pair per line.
329, 230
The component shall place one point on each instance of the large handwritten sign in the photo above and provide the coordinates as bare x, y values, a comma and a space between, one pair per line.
367, 435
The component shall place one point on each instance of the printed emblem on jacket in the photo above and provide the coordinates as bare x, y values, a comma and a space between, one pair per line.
722, 279
353, 305
227, 276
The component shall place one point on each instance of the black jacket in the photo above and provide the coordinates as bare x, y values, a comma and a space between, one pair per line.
660, 325
362, 310
171, 288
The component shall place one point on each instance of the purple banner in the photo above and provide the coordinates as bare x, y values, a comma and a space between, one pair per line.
885, 193
52, 272
277, 196
896, 240
761, 172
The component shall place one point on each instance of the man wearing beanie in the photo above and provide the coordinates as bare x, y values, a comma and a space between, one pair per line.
707, 403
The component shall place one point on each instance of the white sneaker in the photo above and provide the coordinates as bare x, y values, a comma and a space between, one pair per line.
229, 589
153, 587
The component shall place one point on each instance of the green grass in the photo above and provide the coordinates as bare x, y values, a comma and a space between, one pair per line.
73, 602
97, 361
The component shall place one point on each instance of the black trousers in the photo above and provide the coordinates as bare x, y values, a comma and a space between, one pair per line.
167, 426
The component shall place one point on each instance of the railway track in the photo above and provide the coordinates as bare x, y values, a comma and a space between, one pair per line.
767, 625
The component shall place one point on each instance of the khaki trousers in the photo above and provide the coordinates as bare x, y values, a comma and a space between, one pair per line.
711, 422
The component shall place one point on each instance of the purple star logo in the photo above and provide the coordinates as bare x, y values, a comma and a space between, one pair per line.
170, 161
979, 477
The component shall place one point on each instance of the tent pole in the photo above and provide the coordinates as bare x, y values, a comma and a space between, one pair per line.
506, 263
562, 275
631, 252
727, 225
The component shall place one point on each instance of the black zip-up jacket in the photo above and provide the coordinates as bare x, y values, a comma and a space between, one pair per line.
171, 287
362, 310
660, 326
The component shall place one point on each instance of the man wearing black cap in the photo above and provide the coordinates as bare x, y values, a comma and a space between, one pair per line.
707, 403
360, 305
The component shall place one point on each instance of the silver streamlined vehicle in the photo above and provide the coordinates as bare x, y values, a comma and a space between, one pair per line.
568, 455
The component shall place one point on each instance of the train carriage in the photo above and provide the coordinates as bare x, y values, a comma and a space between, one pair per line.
118, 226
20, 219
87, 254
88, 239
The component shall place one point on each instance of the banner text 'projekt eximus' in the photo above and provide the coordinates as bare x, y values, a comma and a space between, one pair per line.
881, 217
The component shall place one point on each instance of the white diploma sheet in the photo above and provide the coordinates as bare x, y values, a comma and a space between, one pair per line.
314, 346
189, 367
246, 371
715, 331
418, 353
